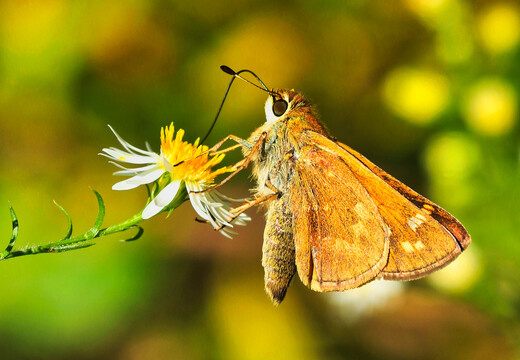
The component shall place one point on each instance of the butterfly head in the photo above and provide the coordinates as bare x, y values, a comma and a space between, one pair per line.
283, 103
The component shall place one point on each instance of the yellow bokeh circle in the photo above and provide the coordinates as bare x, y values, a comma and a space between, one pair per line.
490, 107
452, 157
416, 95
499, 28
460, 275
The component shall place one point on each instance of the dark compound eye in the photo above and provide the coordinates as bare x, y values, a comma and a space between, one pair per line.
279, 107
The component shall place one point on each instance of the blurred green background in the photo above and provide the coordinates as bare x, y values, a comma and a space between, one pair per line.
427, 89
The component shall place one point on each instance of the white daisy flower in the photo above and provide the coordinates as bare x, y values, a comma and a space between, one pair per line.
181, 172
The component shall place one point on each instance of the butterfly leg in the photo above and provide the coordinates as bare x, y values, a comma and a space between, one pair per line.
242, 208
231, 148
242, 164
250, 203
236, 139
213, 150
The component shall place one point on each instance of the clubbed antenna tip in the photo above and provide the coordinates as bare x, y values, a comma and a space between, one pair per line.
227, 70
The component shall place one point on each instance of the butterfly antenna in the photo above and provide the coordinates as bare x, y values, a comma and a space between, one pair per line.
219, 110
235, 75
230, 71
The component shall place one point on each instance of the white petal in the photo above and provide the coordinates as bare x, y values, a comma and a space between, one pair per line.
118, 165
134, 171
128, 146
122, 156
124, 185
115, 152
143, 178
241, 220
214, 207
223, 232
199, 206
161, 200
112, 153
167, 166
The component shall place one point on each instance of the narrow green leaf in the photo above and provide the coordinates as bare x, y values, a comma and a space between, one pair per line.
14, 233
99, 221
69, 220
137, 236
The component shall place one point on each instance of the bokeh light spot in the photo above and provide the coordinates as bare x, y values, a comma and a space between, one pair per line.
416, 95
255, 330
499, 28
491, 107
426, 8
354, 304
460, 275
452, 157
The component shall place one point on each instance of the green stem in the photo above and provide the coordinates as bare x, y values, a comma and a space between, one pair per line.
86, 239
74, 241
125, 225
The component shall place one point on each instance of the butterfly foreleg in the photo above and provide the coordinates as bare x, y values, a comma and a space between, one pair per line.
231, 148
240, 143
242, 164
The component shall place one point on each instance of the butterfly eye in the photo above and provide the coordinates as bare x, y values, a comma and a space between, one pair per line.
279, 107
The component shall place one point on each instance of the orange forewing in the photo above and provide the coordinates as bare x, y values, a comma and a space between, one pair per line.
341, 240
423, 238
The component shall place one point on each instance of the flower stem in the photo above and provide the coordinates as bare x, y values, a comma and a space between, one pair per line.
125, 225
75, 242
72, 243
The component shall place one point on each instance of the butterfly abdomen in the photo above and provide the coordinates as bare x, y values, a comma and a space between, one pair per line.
278, 250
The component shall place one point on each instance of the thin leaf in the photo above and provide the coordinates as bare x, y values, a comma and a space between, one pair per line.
99, 221
6, 254
137, 236
69, 220
14, 232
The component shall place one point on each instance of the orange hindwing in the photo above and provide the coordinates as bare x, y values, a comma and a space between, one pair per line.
341, 240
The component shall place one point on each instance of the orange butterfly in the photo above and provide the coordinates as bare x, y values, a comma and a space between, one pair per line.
332, 215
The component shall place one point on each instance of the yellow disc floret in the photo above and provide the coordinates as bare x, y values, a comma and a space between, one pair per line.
191, 162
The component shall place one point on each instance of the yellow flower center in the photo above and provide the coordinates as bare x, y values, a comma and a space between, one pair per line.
189, 161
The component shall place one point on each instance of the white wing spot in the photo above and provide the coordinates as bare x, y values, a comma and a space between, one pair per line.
419, 245
420, 217
412, 224
416, 221
407, 246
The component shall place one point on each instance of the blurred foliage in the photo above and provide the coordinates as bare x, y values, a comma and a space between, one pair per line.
427, 89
